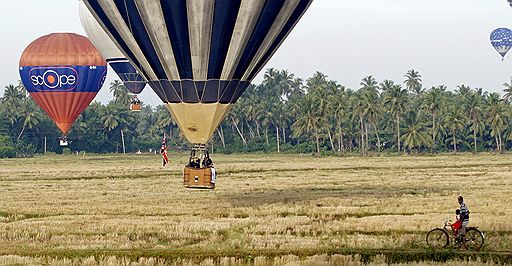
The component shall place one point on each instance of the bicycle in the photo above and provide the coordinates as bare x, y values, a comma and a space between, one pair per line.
440, 237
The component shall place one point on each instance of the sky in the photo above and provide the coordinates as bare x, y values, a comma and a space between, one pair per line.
447, 41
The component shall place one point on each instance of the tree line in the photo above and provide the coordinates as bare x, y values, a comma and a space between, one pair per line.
284, 113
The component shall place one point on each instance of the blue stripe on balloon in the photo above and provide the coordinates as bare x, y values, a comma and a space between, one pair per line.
224, 20
132, 18
211, 92
296, 15
267, 18
189, 91
175, 14
228, 92
240, 90
63, 78
126, 71
133, 81
165, 91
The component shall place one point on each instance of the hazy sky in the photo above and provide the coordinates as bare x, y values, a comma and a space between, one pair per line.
446, 40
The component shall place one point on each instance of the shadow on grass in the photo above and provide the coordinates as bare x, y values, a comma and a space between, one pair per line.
249, 198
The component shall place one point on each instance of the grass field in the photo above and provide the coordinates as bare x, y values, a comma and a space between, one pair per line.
266, 210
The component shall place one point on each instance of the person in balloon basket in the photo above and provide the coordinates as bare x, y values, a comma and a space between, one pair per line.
464, 221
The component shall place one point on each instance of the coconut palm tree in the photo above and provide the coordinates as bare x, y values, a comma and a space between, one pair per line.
358, 114
120, 92
415, 132
32, 119
474, 111
386, 85
12, 93
369, 83
396, 100
507, 90
496, 117
455, 121
308, 121
433, 102
372, 112
339, 104
413, 81
110, 120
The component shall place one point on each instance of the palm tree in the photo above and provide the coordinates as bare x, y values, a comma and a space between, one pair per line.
396, 99
433, 101
369, 83
32, 119
371, 112
507, 90
318, 80
338, 104
413, 81
110, 120
415, 133
12, 93
308, 121
496, 117
358, 113
386, 85
474, 110
455, 121
120, 92
236, 117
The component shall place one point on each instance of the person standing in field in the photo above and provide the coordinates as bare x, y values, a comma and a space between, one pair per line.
464, 219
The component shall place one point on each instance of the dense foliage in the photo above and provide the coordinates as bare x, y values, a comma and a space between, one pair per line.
285, 114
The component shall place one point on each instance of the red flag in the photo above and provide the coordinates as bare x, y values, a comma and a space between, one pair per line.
163, 151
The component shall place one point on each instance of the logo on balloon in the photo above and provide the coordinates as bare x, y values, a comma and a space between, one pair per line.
54, 78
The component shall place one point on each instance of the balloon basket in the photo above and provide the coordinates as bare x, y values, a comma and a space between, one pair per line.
63, 141
135, 104
199, 178
135, 107
199, 172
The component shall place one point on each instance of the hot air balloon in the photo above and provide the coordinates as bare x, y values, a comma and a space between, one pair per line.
510, 2
501, 40
199, 56
63, 72
133, 81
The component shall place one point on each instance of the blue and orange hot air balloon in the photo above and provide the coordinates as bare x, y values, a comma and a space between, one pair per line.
63, 72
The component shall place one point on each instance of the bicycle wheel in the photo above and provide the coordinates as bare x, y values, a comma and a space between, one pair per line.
437, 238
474, 239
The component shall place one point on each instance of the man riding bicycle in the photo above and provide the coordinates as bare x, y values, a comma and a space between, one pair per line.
464, 219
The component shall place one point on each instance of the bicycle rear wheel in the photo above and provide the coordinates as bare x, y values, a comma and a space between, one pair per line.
474, 239
437, 238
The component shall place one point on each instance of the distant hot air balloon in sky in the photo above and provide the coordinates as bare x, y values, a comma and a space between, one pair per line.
63, 72
510, 2
501, 40
133, 81
199, 56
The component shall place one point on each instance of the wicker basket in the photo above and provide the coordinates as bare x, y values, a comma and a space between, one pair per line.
201, 178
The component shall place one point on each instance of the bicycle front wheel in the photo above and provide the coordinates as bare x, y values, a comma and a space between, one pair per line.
474, 239
437, 238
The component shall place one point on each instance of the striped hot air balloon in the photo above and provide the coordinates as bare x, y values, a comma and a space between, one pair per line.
133, 81
63, 72
199, 56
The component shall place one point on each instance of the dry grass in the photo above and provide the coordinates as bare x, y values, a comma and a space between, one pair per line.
263, 204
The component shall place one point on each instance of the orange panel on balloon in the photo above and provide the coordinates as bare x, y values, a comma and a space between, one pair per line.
63, 107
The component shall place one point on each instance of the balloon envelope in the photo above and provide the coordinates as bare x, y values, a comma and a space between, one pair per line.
63, 72
133, 81
199, 56
501, 40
